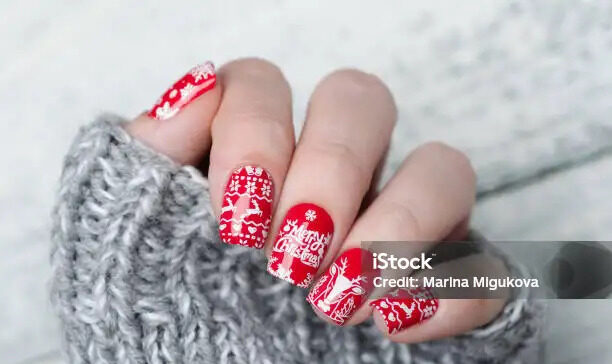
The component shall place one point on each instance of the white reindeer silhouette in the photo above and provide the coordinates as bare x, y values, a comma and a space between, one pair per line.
230, 207
407, 309
340, 287
254, 211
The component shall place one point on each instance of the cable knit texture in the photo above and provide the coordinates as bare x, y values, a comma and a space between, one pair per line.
139, 276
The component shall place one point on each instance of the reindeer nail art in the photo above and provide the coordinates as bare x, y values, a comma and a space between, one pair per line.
197, 81
406, 307
345, 286
302, 242
247, 207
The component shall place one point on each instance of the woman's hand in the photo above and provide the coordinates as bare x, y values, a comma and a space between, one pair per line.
311, 205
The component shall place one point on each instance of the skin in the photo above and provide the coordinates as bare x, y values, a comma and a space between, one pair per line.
246, 119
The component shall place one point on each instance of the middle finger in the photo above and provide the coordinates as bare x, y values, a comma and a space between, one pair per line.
348, 127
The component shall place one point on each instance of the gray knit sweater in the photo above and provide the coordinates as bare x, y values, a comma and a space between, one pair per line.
139, 276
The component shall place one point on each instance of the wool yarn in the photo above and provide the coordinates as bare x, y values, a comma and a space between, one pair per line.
139, 276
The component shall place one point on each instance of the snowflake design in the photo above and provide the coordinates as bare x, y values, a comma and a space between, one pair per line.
310, 215
250, 187
428, 311
165, 111
186, 91
244, 242
265, 190
234, 186
202, 71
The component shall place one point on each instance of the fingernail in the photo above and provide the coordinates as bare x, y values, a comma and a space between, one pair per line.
196, 82
345, 286
302, 242
406, 307
246, 209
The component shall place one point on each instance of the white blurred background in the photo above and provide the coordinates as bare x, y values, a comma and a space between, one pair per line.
525, 89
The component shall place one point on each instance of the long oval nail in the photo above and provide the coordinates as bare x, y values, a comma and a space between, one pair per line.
345, 286
404, 308
303, 240
247, 207
193, 84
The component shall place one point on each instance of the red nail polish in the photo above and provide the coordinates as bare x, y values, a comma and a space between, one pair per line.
406, 307
302, 242
247, 207
197, 81
345, 286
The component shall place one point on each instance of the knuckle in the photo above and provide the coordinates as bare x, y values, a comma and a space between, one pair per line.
345, 158
356, 82
360, 92
401, 217
442, 151
482, 309
257, 67
439, 148
271, 128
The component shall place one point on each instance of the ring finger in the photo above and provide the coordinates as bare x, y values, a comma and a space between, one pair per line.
350, 119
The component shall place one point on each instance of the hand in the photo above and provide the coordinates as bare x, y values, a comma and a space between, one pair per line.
311, 204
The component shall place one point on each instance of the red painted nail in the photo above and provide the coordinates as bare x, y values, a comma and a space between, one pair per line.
406, 307
301, 244
247, 206
345, 286
197, 81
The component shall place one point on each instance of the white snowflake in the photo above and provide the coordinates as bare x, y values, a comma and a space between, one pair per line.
202, 71
186, 91
250, 187
244, 242
165, 112
265, 190
234, 186
310, 215
429, 311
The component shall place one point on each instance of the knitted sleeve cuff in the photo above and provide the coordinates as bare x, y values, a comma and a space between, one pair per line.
125, 222
139, 277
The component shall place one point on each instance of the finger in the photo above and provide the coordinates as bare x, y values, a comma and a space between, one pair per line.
350, 119
178, 125
252, 145
431, 193
414, 315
